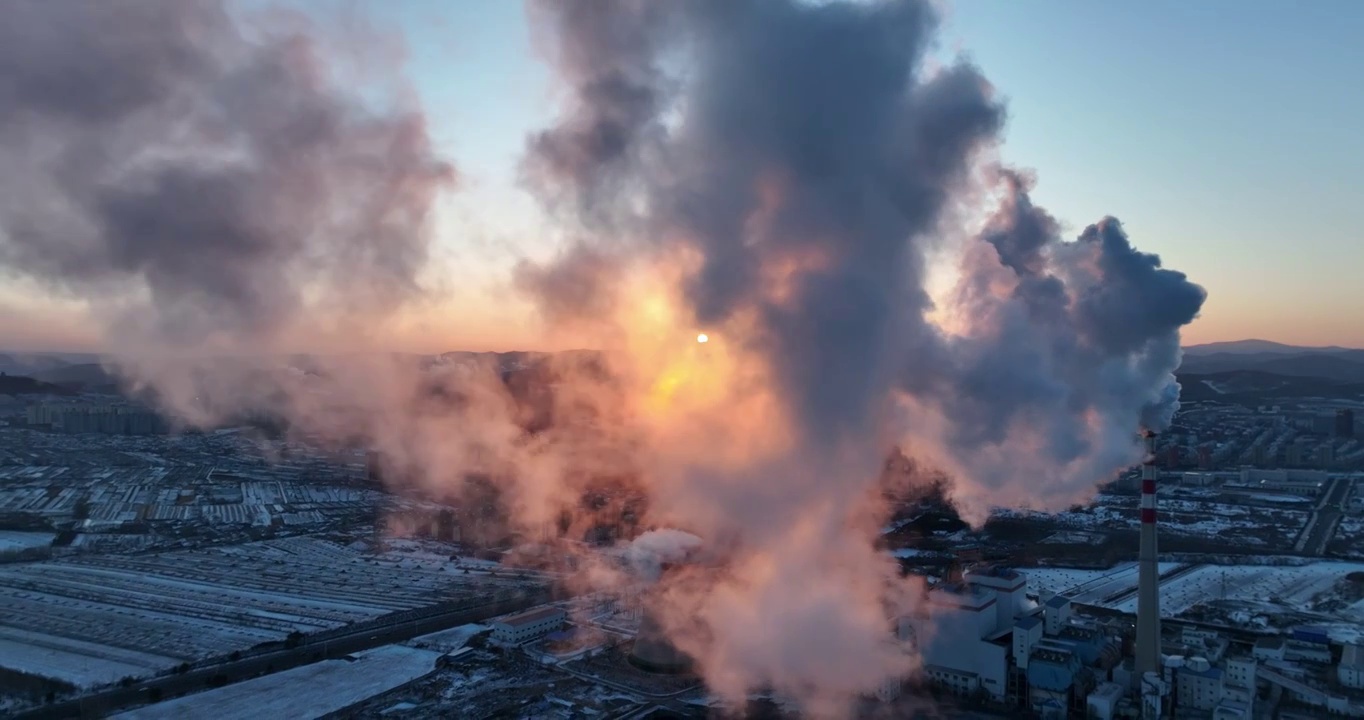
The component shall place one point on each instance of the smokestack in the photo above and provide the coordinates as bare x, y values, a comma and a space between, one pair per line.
1148, 589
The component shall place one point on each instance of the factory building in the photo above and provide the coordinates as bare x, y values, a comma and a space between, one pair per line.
1300, 482
1102, 704
965, 652
1350, 672
528, 625
1198, 684
1056, 613
1052, 673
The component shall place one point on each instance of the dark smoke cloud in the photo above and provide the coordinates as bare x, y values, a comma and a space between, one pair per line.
202, 183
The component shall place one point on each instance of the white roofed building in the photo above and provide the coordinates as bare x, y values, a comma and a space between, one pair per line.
528, 625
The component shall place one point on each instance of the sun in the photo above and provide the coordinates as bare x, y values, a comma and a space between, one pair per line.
702, 338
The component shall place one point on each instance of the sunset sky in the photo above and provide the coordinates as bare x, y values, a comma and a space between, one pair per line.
1224, 134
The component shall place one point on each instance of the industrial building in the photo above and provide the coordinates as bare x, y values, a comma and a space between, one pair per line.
528, 625
1300, 482
983, 638
1350, 672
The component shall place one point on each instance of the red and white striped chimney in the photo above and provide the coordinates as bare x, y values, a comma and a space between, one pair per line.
1148, 578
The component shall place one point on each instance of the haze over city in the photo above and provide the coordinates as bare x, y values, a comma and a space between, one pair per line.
693, 359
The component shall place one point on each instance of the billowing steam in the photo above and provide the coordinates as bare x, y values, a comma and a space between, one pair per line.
211, 184
776, 172
771, 173
648, 553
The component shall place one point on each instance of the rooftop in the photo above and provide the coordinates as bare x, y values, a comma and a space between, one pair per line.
532, 616
995, 571
967, 597
1212, 672
1028, 622
1058, 601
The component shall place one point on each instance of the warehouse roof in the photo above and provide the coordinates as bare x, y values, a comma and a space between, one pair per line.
532, 616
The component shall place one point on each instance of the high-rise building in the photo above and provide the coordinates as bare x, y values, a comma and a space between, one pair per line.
1345, 423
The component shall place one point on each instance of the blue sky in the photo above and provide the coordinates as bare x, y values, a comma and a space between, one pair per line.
1225, 134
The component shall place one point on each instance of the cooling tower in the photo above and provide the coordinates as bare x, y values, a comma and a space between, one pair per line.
1148, 588
653, 651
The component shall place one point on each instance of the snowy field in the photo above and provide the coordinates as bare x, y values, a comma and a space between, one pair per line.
93, 620
1089, 587
1192, 512
11, 540
307, 692
1294, 587
1264, 589
448, 641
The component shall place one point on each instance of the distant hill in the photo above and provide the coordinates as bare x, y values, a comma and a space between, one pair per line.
91, 376
1338, 365
1247, 347
21, 385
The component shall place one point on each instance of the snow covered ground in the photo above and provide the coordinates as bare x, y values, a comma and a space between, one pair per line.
1193, 512
83, 664
17, 540
447, 641
1294, 587
1088, 587
1265, 589
306, 692
93, 620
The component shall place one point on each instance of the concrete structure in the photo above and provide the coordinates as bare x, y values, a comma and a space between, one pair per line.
1198, 685
1102, 704
1300, 482
964, 651
1270, 648
1350, 672
1027, 633
528, 625
1240, 677
1052, 670
1009, 589
1154, 691
1232, 710
1148, 581
1056, 612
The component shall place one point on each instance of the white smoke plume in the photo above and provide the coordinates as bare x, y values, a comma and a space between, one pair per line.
648, 553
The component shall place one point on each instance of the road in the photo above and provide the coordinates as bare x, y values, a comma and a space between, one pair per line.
107, 702
1321, 525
